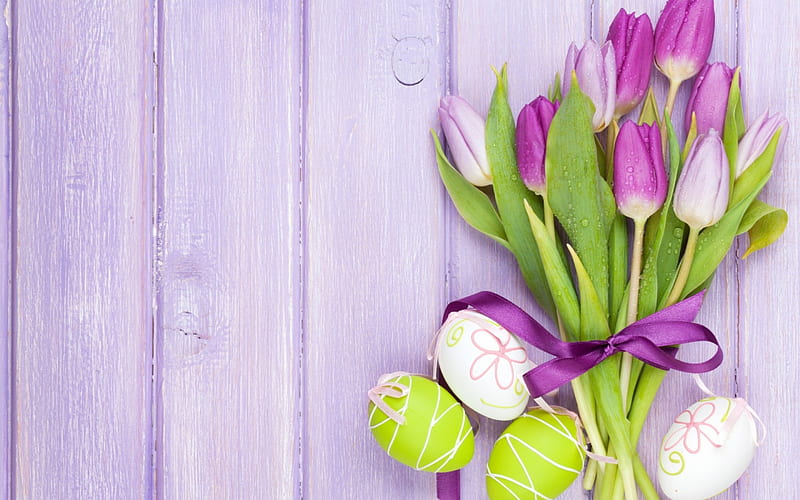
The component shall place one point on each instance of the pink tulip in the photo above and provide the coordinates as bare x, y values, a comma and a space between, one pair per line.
532, 127
640, 181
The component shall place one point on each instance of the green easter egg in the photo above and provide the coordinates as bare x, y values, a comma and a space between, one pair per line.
536, 457
436, 435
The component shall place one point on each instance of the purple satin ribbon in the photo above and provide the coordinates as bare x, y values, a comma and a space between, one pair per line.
651, 339
448, 485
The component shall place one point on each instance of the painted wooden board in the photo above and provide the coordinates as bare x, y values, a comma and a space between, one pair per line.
769, 300
206, 285
82, 298
375, 250
228, 262
5, 263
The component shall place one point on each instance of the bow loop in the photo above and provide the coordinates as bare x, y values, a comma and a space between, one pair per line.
652, 339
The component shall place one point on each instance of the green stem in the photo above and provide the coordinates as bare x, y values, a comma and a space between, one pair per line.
648, 489
605, 384
588, 417
643, 480
610, 479
590, 474
685, 267
549, 221
633, 304
674, 85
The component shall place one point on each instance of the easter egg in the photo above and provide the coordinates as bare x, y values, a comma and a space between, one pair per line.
430, 430
483, 364
706, 449
537, 457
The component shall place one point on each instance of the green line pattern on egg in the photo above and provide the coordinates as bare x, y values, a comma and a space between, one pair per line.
436, 436
536, 458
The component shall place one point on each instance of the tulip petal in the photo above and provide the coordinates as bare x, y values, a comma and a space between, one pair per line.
702, 192
640, 181
683, 36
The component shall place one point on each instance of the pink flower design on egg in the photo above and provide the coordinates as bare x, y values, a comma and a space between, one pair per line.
692, 428
496, 355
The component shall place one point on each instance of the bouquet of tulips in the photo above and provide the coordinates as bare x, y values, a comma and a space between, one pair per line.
613, 217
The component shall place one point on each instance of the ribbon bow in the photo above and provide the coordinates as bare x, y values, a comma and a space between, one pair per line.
651, 339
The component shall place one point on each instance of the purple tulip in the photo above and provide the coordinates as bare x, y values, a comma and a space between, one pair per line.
597, 76
640, 181
684, 33
466, 137
709, 97
532, 127
758, 137
701, 195
632, 38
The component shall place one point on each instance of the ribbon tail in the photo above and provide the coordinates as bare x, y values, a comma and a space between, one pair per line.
448, 485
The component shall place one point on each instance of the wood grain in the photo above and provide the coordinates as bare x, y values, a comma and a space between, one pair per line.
303, 242
375, 230
769, 299
228, 270
5, 264
82, 329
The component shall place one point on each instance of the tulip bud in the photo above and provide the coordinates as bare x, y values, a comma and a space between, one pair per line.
758, 137
597, 76
532, 127
684, 33
701, 195
640, 181
709, 98
465, 131
632, 38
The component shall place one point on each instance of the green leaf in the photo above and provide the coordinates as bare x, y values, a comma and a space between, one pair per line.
554, 91
593, 315
731, 132
752, 177
663, 239
764, 225
474, 206
649, 113
510, 193
579, 196
739, 112
715, 241
558, 276
691, 135
618, 265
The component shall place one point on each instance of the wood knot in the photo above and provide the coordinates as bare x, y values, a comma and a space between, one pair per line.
410, 60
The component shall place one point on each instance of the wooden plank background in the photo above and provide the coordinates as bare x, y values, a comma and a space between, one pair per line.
222, 221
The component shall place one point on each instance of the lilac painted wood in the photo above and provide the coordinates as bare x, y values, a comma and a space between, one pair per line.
304, 242
82, 330
5, 265
769, 299
228, 271
375, 230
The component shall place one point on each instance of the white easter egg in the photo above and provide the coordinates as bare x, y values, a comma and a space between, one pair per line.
707, 448
483, 364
